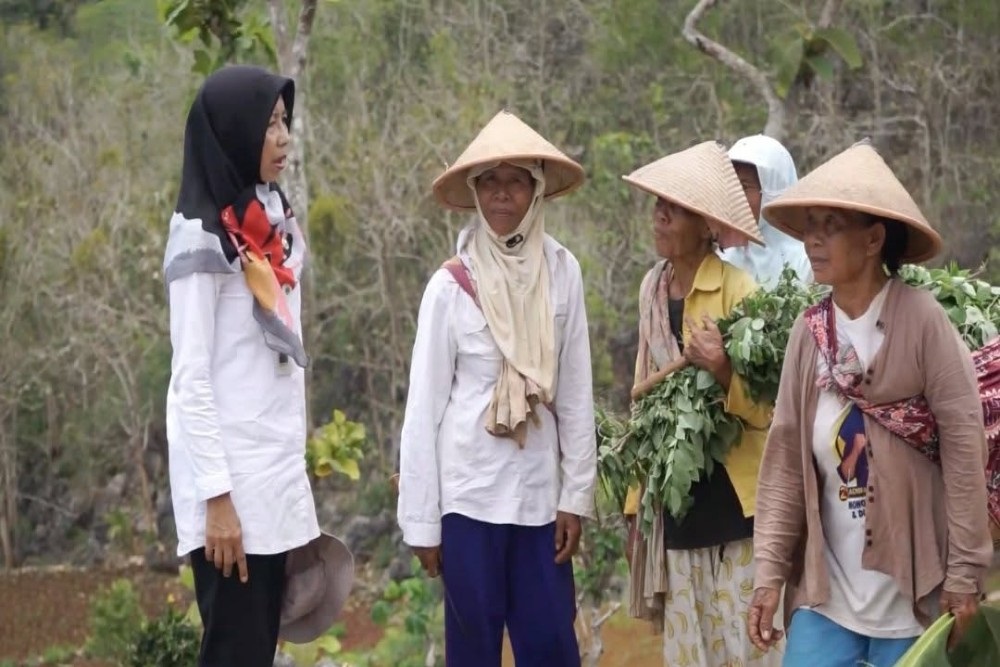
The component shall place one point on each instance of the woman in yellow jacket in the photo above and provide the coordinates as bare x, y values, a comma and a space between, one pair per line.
693, 577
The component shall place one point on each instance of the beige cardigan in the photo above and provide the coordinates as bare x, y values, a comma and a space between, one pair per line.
927, 524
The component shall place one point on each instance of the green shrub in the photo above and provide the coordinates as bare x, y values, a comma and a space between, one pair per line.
58, 655
115, 620
167, 641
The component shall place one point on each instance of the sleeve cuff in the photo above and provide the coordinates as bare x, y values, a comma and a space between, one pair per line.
421, 534
579, 503
210, 486
768, 574
966, 581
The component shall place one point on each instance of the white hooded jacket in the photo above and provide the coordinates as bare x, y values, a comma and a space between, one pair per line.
776, 172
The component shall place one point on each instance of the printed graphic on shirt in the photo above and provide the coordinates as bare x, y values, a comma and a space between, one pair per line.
849, 446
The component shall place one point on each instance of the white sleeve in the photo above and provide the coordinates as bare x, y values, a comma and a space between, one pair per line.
192, 336
432, 369
575, 405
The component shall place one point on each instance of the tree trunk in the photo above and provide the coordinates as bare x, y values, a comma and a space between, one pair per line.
8, 495
776, 111
292, 58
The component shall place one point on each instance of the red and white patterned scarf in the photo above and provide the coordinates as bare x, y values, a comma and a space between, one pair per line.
910, 419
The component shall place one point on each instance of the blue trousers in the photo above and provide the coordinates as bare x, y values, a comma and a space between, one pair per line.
499, 574
816, 641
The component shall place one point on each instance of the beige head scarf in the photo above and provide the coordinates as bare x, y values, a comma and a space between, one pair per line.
512, 282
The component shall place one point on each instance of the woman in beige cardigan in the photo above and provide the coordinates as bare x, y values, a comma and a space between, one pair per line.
871, 502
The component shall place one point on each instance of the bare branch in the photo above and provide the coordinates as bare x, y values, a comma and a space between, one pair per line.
830, 10
602, 619
775, 107
279, 24
300, 48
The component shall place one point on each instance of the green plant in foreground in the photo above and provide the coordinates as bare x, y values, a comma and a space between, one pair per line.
326, 645
412, 613
115, 621
58, 655
167, 641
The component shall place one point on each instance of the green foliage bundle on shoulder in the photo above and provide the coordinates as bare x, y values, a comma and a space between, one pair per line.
973, 305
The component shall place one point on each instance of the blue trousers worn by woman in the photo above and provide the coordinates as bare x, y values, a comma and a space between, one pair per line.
499, 574
816, 641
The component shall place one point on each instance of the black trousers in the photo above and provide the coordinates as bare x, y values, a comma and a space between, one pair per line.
240, 620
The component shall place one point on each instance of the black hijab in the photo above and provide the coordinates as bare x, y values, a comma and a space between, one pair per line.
223, 142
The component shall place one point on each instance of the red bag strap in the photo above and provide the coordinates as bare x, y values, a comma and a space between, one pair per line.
461, 275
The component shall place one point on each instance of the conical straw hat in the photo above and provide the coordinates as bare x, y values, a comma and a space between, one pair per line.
701, 179
857, 179
506, 137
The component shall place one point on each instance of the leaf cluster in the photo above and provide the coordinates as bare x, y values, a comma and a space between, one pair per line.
756, 333
337, 446
675, 435
972, 305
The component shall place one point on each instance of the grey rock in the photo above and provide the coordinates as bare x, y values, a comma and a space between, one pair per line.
401, 566
363, 533
283, 660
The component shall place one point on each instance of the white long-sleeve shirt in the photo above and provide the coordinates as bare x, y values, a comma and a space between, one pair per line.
449, 463
235, 415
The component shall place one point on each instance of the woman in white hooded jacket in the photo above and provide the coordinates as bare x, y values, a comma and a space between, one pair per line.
766, 169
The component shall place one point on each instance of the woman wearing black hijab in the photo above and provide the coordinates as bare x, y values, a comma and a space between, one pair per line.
236, 403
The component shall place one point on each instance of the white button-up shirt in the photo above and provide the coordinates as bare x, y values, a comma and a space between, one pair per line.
449, 463
235, 415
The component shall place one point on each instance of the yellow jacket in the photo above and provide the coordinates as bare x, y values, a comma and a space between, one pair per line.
717, 288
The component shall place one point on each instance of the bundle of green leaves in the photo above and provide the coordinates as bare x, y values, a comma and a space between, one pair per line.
677, 432
973, 305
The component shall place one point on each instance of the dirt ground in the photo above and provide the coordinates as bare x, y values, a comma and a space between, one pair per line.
44, 609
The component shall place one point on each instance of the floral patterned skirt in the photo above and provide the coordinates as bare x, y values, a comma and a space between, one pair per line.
705, 610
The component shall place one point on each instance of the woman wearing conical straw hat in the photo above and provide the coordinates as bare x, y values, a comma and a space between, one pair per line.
871, 505
765, 169
493, 484
692, 577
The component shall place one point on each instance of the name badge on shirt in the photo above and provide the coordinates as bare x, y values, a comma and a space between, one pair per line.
283, 365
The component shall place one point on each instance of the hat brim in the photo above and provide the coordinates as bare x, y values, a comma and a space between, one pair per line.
451, 188
709, 217
338, 563
789, 216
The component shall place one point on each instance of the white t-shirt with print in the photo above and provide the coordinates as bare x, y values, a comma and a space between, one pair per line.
864, 601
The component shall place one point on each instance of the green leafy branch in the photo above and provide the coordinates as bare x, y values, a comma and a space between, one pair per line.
756, 333
227, 32
676, 433
973, 305
808, 52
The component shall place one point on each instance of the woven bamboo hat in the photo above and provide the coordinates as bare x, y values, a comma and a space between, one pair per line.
857, 179
701, 179
506, 137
